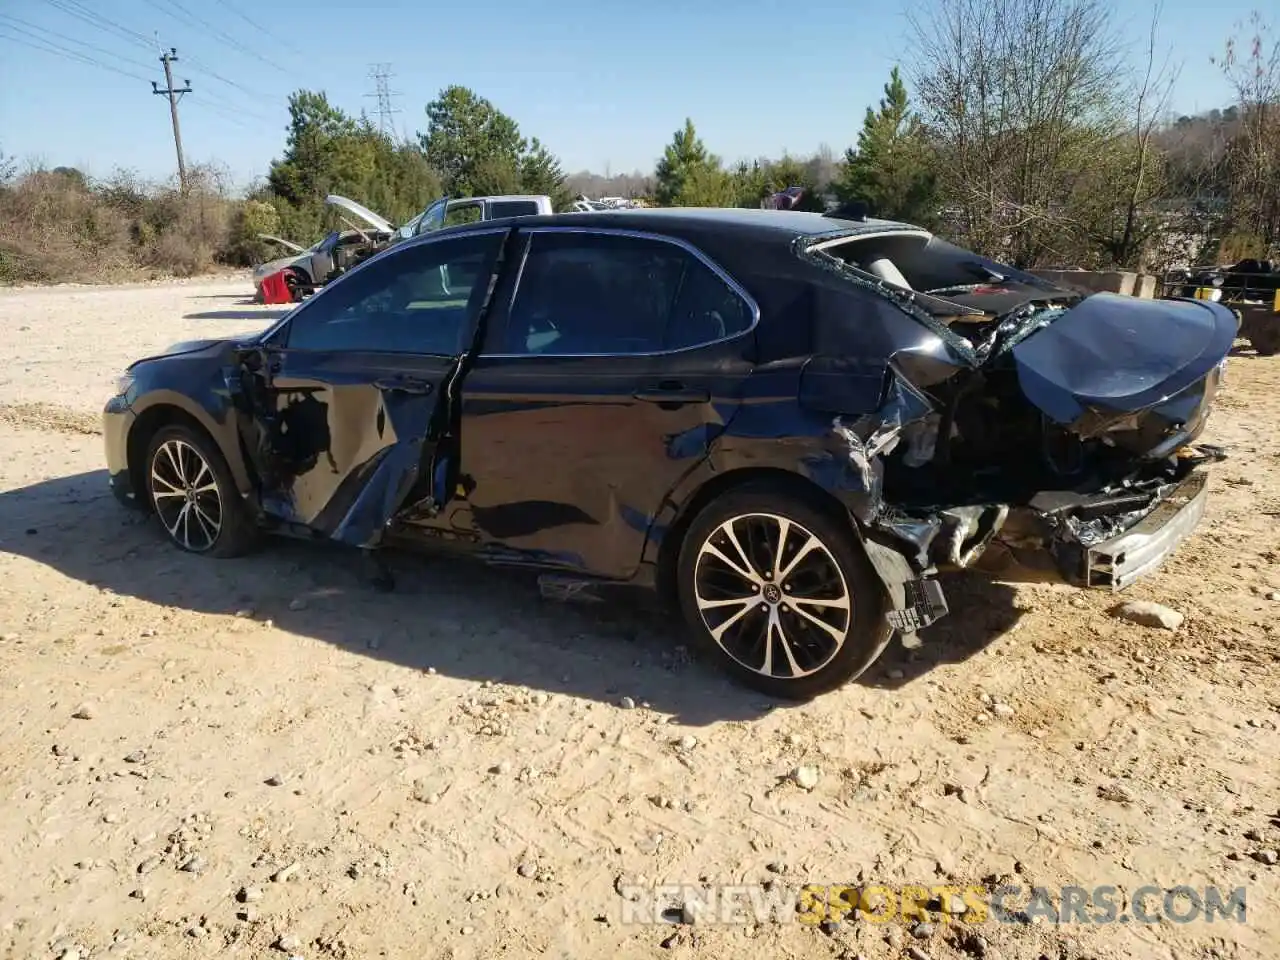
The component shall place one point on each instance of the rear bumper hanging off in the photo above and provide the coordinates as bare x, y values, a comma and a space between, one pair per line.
1141, 549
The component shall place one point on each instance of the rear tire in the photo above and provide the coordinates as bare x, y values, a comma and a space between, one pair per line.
194, 496
788, 604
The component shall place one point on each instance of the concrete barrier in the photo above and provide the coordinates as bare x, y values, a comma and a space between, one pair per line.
1092, 281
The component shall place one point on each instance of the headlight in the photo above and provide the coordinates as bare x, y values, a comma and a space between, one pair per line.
124, 383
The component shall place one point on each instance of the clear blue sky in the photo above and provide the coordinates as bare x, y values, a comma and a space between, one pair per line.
603, 84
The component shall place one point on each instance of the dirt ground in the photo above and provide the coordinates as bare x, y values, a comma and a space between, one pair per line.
262, 757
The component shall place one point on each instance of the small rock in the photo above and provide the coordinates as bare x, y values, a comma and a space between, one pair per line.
1268, 857
139, 894
1115, 792
527, 870
985, 699
1273, 595
194, 864
59, 750
776, 866
149, 864
694, 912
896, 674
806, 776
136, 757
284, 873
1002, 710
539, 698
915, 953
249, 894
1253, 834
922, 931
687, 742
468, 931
297, 604
626, 703
1148, 614
275, 780
955, 905
196, 931
248, 915
85, 711
502, 768
245, 613
288, 943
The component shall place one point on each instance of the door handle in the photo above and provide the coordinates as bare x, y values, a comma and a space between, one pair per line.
672, 392
404, 385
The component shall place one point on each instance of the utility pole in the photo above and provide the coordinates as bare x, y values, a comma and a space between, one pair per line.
174, 94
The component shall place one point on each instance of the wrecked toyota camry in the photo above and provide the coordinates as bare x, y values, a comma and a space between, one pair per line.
786, 423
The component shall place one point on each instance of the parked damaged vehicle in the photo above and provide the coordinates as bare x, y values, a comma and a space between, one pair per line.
786, 423
306, 270
1250, 287
340, 250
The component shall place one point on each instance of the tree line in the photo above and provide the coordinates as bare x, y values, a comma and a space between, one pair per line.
1023, 129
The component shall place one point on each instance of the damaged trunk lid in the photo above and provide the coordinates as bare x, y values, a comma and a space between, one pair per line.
1138, 374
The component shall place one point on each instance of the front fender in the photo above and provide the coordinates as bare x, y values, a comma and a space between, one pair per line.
214, 413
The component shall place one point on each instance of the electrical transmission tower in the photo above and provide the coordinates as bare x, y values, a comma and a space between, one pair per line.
380, 74
174, 94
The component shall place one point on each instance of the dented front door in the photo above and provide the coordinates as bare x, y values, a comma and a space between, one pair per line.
348, 400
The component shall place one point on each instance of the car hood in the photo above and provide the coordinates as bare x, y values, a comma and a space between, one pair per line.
1112, 361
185, 347
360, 212
287, 244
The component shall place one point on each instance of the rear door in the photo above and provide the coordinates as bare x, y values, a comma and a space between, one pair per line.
604, 378
347, 399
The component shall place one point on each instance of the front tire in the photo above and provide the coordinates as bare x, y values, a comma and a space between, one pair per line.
194, 496
780, 594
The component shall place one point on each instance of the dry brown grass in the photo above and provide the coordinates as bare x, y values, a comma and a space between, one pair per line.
46, 416
57, 226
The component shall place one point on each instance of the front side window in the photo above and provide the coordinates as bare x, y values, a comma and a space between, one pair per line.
600, 293
410, 300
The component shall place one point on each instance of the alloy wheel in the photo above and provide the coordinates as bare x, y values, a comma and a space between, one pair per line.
185, 492
772, 595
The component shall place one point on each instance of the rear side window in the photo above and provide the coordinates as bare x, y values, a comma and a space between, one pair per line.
513, 208
601, 293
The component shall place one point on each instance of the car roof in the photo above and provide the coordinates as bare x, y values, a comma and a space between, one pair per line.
496, 197
696, 224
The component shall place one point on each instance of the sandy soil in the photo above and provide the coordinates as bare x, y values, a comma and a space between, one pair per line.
263, 758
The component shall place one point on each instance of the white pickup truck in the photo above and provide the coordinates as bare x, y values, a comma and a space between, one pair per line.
305, 270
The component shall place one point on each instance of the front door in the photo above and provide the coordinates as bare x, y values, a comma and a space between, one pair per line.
604, 378
347, 398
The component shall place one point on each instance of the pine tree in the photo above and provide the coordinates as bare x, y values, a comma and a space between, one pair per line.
684, 159
891, 170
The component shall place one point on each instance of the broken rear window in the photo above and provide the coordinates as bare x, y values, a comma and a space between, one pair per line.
916, 260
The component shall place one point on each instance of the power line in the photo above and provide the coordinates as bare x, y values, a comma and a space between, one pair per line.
80, 12
258, 27
232, 115
26, 27
67, 54
207, 27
